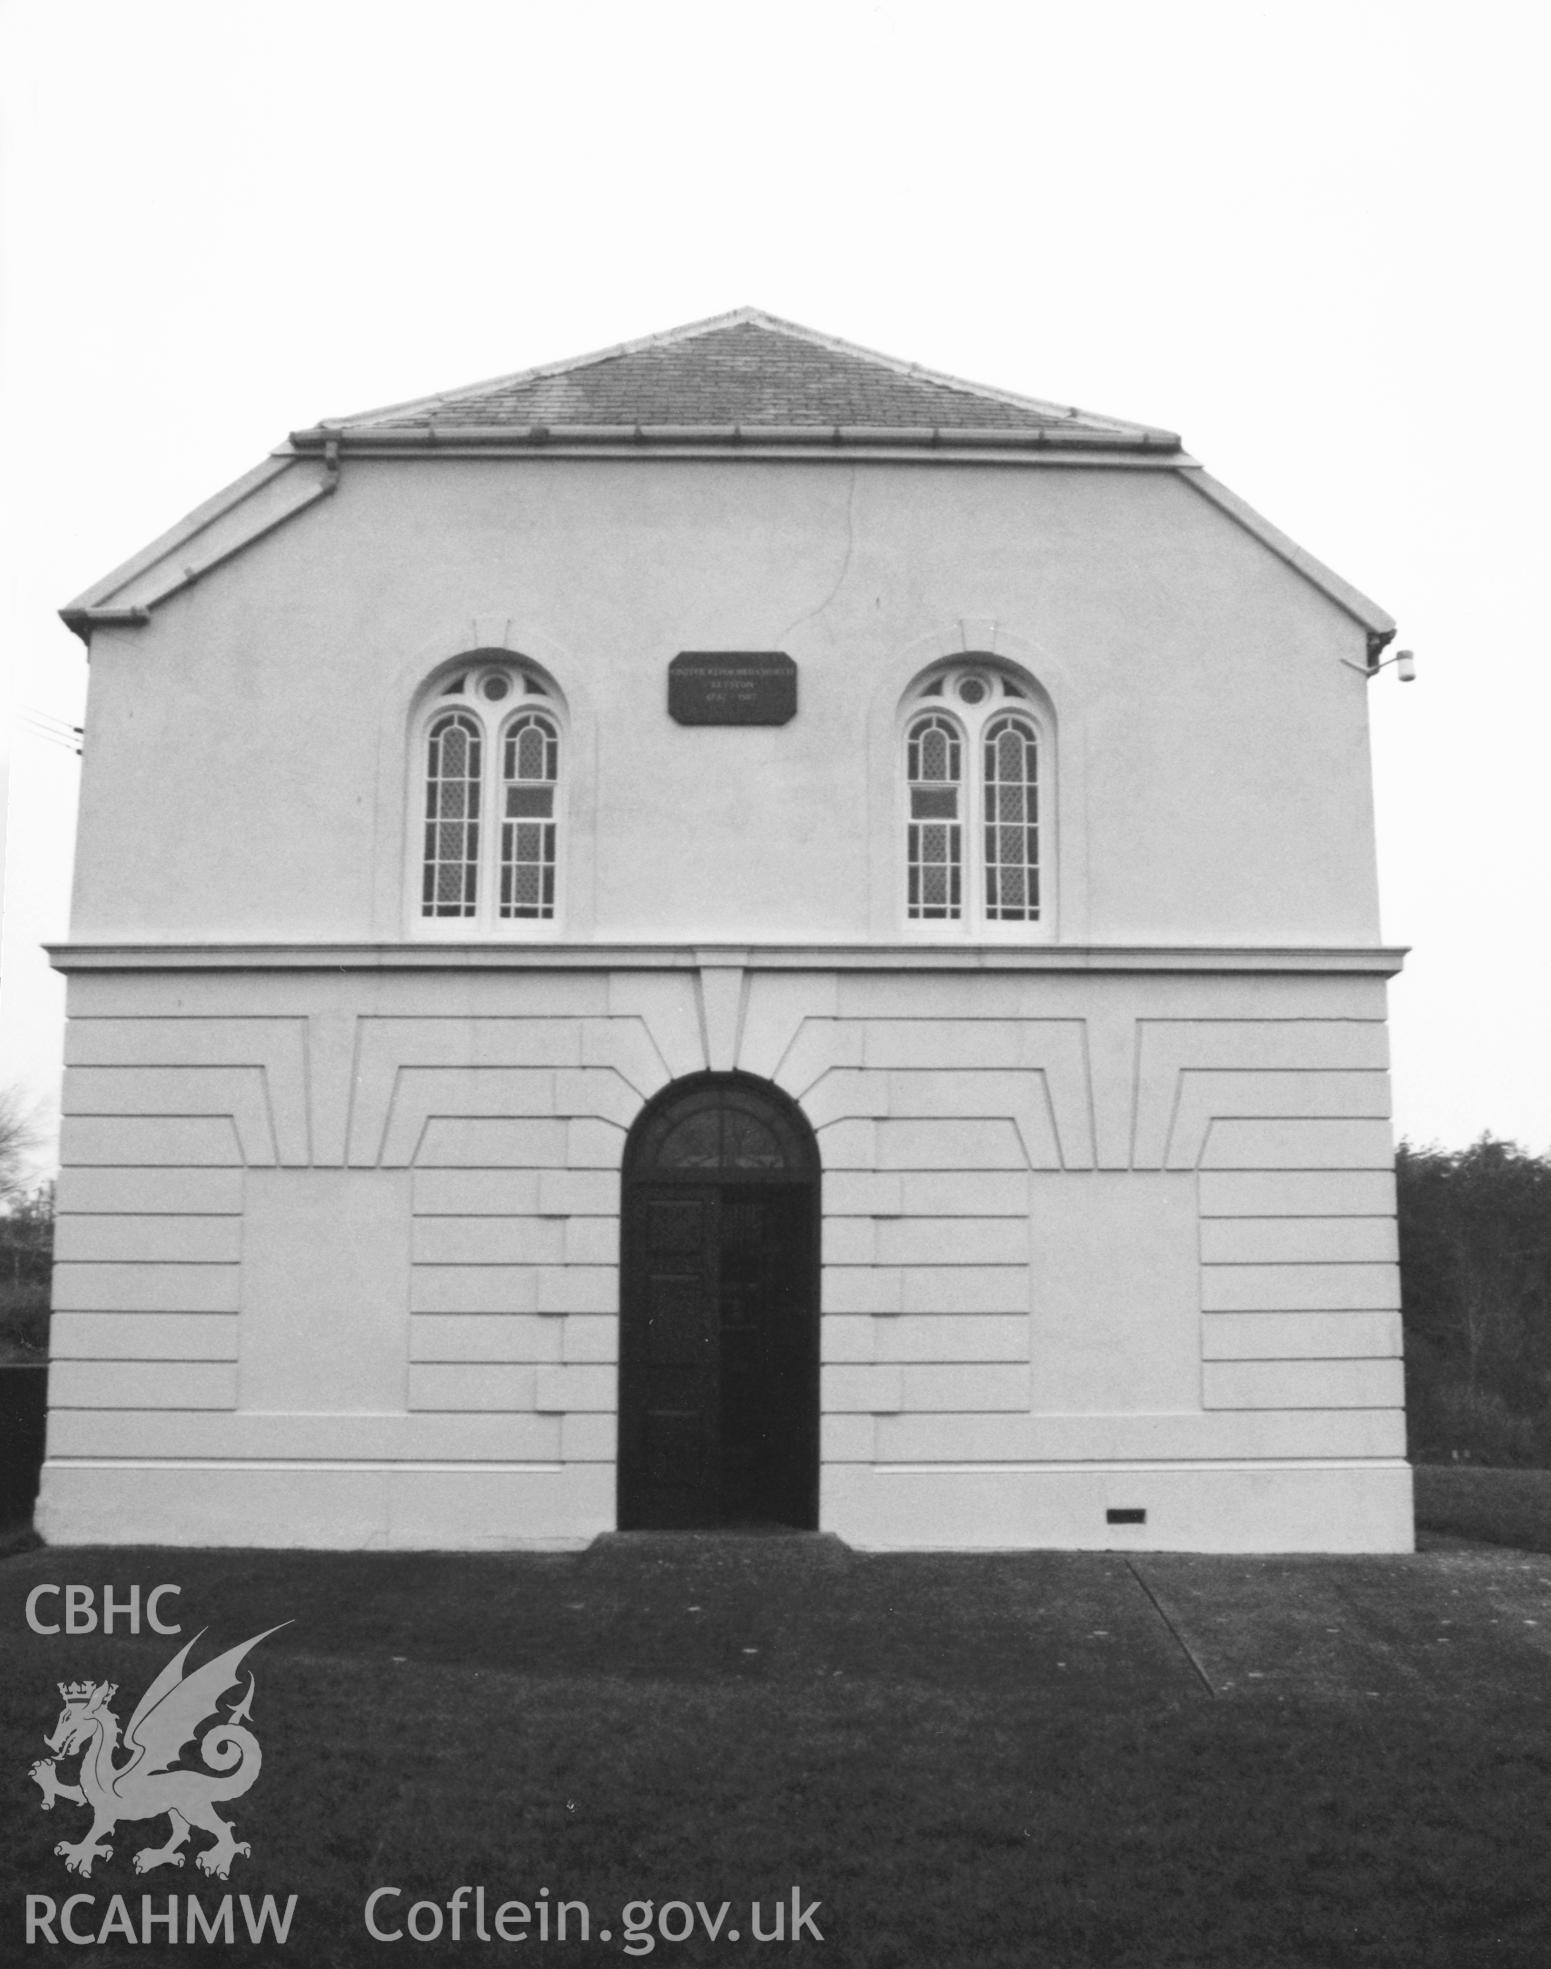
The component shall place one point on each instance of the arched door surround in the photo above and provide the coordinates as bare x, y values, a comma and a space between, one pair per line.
719, 1310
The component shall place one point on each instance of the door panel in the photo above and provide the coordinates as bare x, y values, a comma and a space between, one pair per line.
765, 1335
668, 1361
719, 1355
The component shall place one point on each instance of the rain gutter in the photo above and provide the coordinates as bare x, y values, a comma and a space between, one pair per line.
431, 436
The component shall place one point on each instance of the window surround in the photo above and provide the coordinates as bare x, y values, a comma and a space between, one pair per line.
966, 699
504, 879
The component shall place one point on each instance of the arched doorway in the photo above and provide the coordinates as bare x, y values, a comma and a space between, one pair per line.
719, 1310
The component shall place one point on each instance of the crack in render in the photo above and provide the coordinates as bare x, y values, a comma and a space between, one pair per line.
845, 565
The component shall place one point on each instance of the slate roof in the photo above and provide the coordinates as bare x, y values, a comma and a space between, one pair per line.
747, 371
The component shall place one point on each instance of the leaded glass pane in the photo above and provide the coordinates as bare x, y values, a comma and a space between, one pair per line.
749, 1144
530, 768
1011, 821
720, 1137
933, 751
694, 1144
532, 748
450, 883
934, 837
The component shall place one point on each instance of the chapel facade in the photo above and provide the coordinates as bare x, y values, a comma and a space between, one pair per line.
727, 932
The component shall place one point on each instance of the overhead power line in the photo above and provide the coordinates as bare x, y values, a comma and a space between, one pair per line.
44, 725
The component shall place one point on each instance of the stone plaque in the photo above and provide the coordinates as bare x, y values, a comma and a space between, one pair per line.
732, 687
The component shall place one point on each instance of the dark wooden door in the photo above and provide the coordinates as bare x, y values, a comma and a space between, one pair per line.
719, 1357
768, 1398
670, 1360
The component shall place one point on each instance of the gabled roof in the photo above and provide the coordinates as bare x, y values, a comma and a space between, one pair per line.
745, 373
739, 382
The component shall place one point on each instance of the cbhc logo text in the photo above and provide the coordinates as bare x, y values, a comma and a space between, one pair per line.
80, 1610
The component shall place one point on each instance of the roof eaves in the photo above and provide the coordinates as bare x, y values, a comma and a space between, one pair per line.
222, 502
244, 512
447, 438
1378, 622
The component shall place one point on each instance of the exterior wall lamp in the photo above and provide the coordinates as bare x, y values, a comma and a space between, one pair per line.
1404, 660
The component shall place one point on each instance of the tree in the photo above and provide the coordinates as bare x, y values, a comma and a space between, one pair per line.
26, 1236
26, 1262
18, 1138
1475, 1264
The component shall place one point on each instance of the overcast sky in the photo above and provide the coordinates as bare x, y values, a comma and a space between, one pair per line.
1310, 237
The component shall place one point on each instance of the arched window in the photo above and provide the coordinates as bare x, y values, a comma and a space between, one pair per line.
720, 1125
1011, 753
452, 788
491, 849
934, 766
530, 752
974, 739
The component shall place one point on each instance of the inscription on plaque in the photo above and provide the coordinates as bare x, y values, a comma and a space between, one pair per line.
732, 687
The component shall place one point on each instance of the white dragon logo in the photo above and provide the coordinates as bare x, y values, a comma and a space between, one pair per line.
166, 1717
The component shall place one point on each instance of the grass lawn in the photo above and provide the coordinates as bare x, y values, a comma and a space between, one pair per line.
1504, 1507
1044, 1760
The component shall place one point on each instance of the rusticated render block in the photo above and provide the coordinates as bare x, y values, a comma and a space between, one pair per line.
1051, 1234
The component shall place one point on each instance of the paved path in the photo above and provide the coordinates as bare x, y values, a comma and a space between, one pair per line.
1434, 1623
